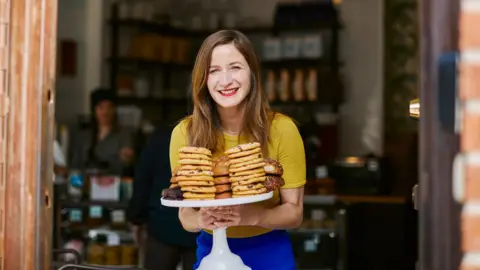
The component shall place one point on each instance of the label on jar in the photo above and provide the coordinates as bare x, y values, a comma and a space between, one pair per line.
75, 215
95, 212
118, 216
311, 85
270, 86
298, 86
309, 246
284, 88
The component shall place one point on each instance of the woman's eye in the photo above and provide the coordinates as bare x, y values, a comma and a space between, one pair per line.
212, 71
235, 67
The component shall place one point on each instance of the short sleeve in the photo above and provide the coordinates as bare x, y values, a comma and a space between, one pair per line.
178, 140
291, 152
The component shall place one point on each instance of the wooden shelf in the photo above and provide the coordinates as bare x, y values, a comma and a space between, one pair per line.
301, 63
167, 29
349, 199
107, 204
151, 101
132, 62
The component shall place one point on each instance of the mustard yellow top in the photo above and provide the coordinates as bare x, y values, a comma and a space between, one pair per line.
285, 145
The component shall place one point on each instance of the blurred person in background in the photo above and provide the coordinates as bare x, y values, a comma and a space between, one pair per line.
106, 143
156, 228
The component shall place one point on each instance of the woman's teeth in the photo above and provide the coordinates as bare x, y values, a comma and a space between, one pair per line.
229, 92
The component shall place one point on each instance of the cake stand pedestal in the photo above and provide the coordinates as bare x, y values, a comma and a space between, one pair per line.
220, 258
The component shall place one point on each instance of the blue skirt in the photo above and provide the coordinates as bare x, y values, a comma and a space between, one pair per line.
270, 251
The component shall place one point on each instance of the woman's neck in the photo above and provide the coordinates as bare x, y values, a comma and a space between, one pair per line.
231, 119
103, 131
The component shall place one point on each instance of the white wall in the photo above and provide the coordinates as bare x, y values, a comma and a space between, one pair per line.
361, 48
72, 93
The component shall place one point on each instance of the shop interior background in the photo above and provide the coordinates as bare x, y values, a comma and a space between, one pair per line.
372, 118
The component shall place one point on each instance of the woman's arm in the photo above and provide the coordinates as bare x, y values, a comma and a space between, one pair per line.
288, 215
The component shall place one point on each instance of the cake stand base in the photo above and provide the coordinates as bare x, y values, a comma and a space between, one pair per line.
221, 258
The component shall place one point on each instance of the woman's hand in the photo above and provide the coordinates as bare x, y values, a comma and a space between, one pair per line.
126, 154
196, 220
238, 215
205, 220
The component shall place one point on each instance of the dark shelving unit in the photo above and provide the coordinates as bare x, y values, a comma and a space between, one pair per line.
118, 64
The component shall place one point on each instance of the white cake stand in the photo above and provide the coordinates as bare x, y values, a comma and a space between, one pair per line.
220, 258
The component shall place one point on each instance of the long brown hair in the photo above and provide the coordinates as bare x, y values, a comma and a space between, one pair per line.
203, 126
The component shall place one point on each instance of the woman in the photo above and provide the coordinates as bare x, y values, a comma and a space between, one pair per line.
230, 108
106, 145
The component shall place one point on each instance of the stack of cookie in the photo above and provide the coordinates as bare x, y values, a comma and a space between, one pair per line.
246, 170
195, 176
223, 188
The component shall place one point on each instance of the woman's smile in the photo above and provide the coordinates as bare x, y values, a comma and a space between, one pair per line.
229, 92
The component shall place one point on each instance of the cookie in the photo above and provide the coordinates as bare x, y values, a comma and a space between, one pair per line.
195, 178
245, 158
249, 192
273, 167
241, 195
242, 147
250, 167
223, 195
196, 183
243, 177
173, 179
189, 161
246, 187
194, 172
174, 185
245, 153
220, 166
172, 193
195, 167
195, 150
222, 188
221, 180
249, 181
175, 170
193, 156
273, 182
193, 195
250, 162
247, 172
197, 189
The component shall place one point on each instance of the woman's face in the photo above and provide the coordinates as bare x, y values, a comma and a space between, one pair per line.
105, 111
228, 76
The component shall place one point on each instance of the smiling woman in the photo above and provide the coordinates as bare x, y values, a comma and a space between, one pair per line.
230, 108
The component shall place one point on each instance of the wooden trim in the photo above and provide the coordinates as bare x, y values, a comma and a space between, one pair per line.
438, 212
28, 220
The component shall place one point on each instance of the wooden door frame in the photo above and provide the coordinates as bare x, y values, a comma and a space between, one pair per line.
439, 216
27, 223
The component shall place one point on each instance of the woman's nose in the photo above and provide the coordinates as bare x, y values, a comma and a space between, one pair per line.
225, 78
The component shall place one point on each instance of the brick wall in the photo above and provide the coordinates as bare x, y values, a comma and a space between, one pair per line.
469, 93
